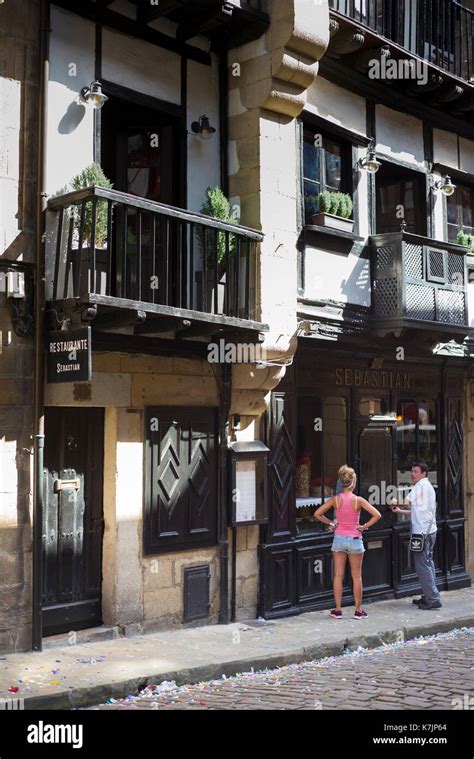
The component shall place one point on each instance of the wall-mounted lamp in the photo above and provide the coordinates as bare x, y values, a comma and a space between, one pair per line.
203, 128
370, 162
94, 96
445, 185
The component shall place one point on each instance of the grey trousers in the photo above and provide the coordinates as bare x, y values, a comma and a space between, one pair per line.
425, 570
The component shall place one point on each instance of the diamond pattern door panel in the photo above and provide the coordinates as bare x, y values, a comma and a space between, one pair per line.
180, 478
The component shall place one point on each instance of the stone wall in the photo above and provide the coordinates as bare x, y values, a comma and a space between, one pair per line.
19, 73
145, 593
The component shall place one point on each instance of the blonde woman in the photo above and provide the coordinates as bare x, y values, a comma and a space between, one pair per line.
348, 538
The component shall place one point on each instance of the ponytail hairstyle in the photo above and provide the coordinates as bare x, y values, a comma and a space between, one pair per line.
347, 476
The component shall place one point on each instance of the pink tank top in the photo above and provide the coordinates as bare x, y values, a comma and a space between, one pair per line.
347, 516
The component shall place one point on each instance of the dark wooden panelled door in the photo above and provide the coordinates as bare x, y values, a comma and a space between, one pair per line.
72, 519
181, 479
375, 463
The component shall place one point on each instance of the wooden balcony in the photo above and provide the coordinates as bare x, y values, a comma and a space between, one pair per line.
438, 34
418, 283
126, 262
439, 31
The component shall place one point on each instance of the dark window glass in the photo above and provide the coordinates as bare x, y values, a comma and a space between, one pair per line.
460, 212
333, 154
400, 197
326, 166
321, 450
417, 440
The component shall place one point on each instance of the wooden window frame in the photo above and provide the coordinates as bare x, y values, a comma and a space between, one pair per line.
346, 145
459, 187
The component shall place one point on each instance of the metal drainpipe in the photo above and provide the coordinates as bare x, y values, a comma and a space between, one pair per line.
226, 388
225, 398
223, 121
38, 407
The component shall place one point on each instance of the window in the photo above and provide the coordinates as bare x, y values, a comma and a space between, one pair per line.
417, 439
460, 212
321, 450
325, 167
400, 196
180, 479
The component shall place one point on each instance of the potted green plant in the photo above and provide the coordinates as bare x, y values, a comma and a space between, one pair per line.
217, 206
335, 209
467, 241
92, 176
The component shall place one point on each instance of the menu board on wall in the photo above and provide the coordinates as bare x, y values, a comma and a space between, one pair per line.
245, 485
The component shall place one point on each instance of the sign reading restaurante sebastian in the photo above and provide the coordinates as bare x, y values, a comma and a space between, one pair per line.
69, 355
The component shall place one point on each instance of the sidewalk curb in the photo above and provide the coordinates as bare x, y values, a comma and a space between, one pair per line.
81, 697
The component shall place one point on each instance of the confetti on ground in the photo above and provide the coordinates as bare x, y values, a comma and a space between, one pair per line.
277, 676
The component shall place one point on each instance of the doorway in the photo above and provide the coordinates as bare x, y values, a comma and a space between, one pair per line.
73, 520
142, 154
401, 197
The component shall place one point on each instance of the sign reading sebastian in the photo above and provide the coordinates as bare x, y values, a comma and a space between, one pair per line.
372, 378
69, 355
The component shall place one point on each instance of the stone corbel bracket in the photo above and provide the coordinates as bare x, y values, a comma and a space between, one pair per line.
297, 38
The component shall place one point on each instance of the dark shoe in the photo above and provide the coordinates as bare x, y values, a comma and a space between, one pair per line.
426, 606
360, 614
336, 614
418, 600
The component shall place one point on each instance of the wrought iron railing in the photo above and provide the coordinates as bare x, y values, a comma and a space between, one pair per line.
416, 279
111, 243
439, 31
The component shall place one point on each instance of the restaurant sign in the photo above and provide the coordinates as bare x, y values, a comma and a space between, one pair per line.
373, 378
69, 356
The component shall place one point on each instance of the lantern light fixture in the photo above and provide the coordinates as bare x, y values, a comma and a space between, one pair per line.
203, 128
370, 162
93, 95
445, 185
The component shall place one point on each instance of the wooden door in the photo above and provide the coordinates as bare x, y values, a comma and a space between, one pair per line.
72, 519
375, 478
181, 479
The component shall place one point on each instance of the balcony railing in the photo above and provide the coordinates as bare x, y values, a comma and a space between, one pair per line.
439, 31
418, 282
109, 243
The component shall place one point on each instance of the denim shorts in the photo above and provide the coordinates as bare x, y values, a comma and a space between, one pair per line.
348, 545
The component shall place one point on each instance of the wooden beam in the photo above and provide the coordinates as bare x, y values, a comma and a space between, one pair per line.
161, 326
345, 42
446, 94
204, 23
202, 329
147, 12
361, 60
117, 319
120, 23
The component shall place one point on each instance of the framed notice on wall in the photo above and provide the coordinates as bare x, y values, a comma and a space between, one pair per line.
245, 491
69, 355
248, 482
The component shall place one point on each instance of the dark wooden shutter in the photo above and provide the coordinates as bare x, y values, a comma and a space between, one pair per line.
180, 478
281, 441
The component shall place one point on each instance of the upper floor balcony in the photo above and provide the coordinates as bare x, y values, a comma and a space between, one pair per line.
418, 283
123, 261
369, 37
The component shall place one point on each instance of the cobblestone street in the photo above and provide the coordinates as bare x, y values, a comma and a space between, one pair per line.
435, 672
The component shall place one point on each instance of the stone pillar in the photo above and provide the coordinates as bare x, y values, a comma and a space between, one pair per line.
19, 80
268, 80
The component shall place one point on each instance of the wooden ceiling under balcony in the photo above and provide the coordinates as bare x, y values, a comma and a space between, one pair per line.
226, 23
352, 48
